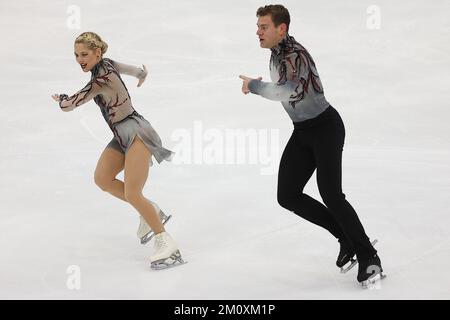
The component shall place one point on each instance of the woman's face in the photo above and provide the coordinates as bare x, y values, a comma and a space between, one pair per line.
87, 58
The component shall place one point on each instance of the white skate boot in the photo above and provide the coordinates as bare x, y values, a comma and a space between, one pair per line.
166, 252
145, 233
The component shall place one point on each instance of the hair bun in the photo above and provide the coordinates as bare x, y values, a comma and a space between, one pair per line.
104, 47
92, 41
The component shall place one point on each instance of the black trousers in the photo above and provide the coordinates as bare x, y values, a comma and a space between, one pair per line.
318, 144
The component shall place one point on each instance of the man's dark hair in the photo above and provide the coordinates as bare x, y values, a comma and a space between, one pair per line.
278, 13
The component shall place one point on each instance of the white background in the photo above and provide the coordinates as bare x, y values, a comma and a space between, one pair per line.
390, 86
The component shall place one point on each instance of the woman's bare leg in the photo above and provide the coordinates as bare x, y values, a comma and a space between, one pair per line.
136, 173
110, 164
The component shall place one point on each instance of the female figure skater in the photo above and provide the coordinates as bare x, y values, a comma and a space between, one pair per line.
134, 142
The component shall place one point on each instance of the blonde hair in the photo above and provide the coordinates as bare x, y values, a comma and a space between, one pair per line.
92, 41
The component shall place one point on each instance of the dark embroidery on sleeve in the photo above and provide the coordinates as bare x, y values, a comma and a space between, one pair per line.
80, 96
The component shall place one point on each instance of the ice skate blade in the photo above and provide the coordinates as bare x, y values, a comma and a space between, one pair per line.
354, 262
366, 284
149, 236
173, 261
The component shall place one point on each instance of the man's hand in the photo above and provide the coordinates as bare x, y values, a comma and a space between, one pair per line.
246, 80
145, 76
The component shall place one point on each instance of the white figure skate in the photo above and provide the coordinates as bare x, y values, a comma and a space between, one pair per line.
145, 233
166, 252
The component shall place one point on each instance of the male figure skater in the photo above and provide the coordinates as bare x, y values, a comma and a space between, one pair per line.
316, 143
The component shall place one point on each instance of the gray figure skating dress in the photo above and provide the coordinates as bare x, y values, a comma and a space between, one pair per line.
111, 95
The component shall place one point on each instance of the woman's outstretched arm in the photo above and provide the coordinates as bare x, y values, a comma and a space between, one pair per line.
93, 88
140, 73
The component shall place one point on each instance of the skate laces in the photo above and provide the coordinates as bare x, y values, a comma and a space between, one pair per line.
162, 216
160, 242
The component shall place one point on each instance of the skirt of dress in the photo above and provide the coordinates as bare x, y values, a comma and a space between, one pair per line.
136, 125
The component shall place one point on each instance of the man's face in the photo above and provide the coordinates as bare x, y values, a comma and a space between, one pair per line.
269, 35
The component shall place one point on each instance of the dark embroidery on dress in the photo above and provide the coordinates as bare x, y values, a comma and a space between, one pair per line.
100, 77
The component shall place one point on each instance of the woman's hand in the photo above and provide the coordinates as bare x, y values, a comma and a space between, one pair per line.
141, 80
56, 97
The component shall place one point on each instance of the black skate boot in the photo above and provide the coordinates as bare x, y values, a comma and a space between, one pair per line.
346, 254
370, 270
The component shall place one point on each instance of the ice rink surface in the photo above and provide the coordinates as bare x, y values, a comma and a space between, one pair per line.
61, 237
